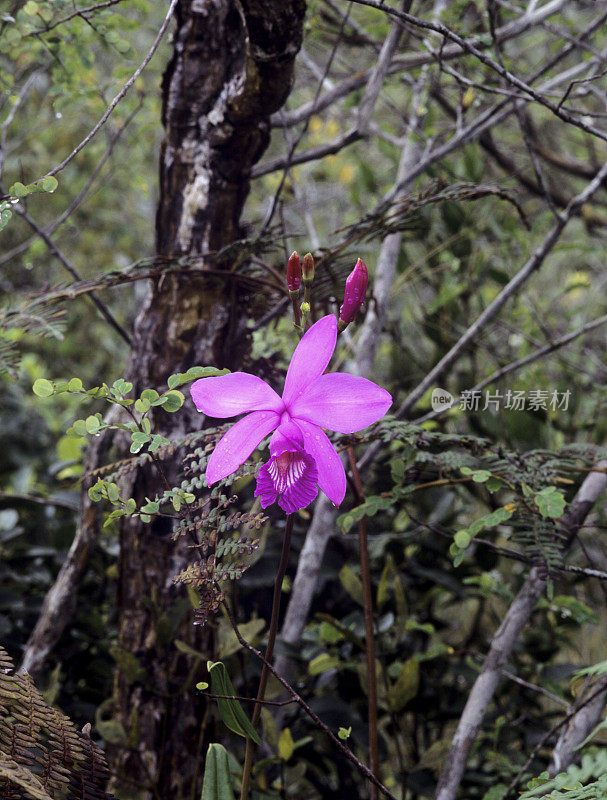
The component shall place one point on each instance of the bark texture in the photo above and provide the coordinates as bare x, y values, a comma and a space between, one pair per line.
232, 67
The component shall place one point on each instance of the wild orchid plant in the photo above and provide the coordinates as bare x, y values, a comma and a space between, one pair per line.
302, 459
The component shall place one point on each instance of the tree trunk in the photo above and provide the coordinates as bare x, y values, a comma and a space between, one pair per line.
231, 68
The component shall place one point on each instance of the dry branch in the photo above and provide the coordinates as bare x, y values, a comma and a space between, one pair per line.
505, 639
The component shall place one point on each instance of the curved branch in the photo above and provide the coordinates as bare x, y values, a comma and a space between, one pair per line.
505, 639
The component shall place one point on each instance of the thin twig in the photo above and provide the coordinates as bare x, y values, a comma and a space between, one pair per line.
80, 12
470, 48
521, 362
505, 639
54, 250
119, 96
516, 780
365, 571
282, 568
362, 768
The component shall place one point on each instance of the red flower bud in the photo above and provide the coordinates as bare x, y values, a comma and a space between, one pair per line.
294, 272
307, 269
354, 295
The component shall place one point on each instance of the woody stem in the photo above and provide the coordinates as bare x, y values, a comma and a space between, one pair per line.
365, 572
282, 568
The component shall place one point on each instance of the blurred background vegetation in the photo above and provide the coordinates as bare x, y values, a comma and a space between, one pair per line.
460, 246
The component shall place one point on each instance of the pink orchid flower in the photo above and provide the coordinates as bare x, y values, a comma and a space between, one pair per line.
302, 459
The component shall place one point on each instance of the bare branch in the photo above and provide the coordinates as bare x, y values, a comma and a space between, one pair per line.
521, 362
410, 61
54, 250
52, 227
119, 96
470, 48
532, 265
505, 639
377, 77
79, 12
60, 600
585, 717
312, 154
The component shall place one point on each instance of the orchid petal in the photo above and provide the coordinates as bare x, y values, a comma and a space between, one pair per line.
287, 437
331, 473
238, 443
341, 402
232, 394
310, 358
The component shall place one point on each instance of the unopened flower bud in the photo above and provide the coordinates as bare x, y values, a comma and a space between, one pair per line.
294, 272
354, 295
305, 308
307, 269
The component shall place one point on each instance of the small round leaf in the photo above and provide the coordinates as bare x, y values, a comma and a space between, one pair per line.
43, 388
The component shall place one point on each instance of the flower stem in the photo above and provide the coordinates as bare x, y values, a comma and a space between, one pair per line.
265, 672
296, 309
369, 632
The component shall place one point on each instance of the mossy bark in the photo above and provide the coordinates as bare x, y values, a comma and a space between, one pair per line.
231, 68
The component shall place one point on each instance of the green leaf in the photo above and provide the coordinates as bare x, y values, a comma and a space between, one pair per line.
113, 492
406, 686
130, 506
171, 401
92, 424
351, 583
49, 184
231, 711
150, 395
122, 387
462, 539
217, 783
79, 427
344, 733
18, 189
96, 492
202, 685
158, 441
286, 746
193, 373
43, 388
550, 502
322, 663
228, 641
31, 8
117, 512
139, 440
142, 405
75, 385
385, 581
329, 633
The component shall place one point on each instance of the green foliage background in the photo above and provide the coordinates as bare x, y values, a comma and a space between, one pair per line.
439, 598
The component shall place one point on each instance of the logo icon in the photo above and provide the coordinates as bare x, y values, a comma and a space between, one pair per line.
441, 399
